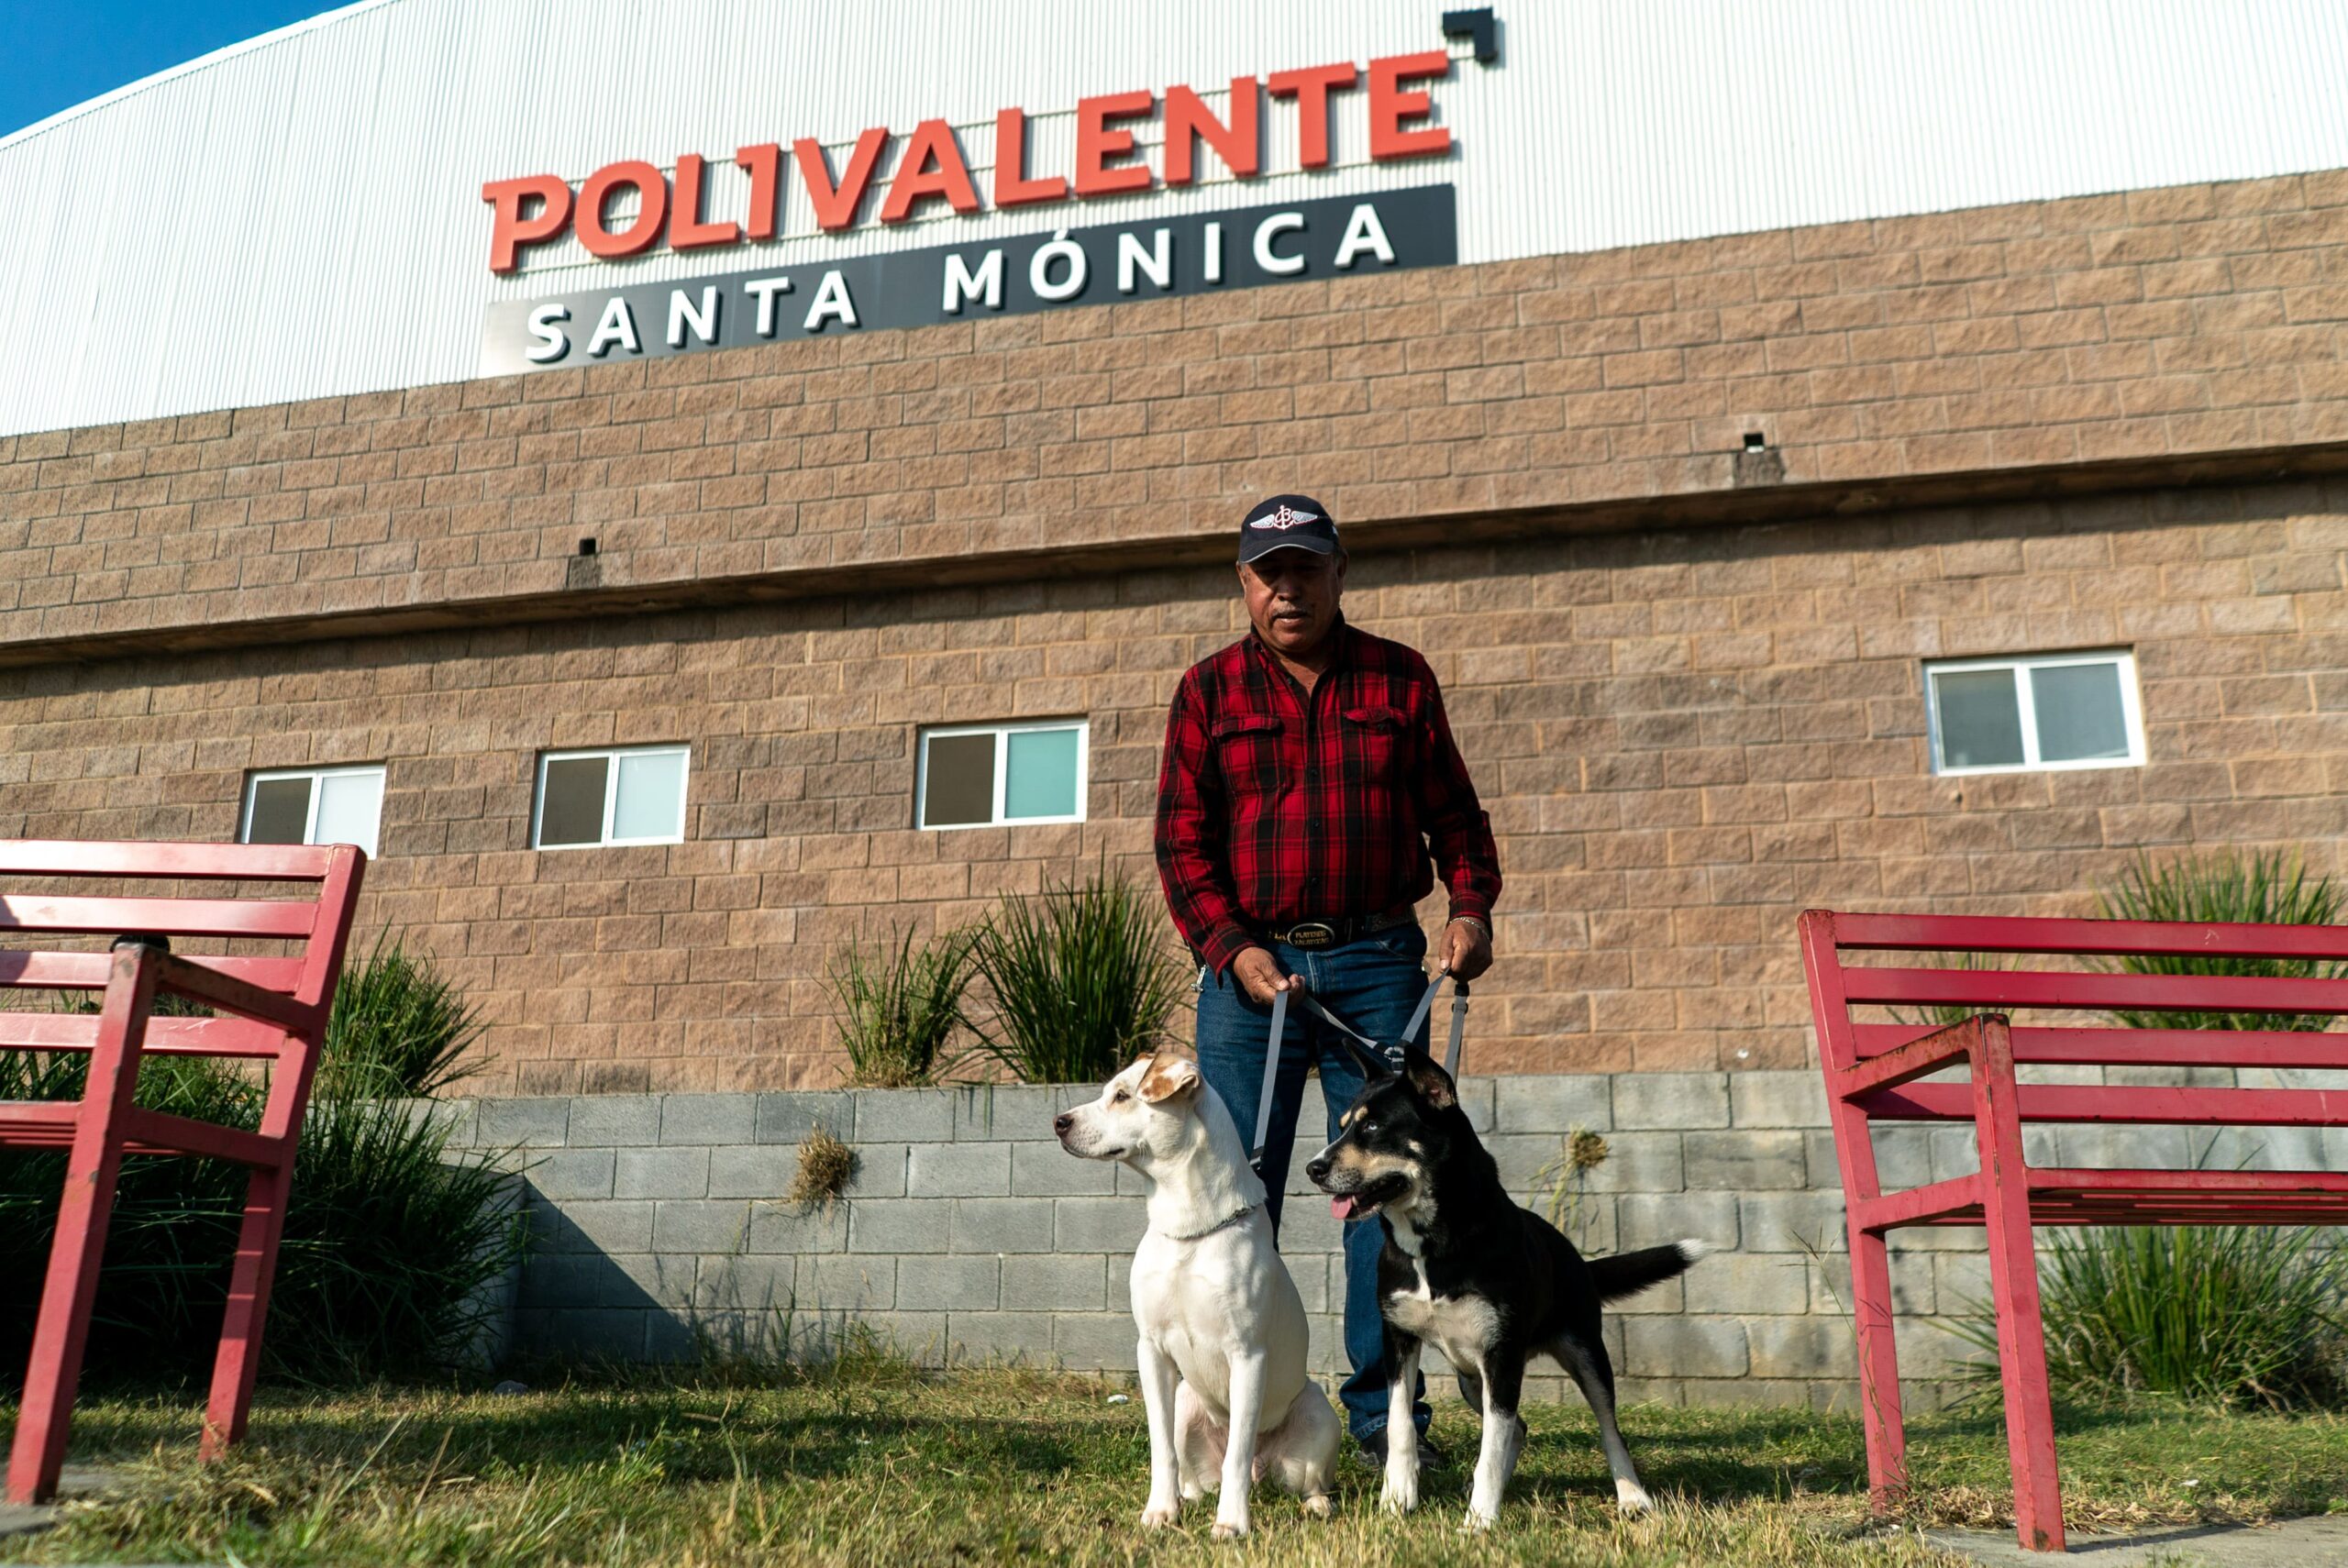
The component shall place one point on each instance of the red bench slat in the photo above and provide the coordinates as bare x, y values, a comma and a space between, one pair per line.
185, 1135
33, 1115
210, 862
2150, 1106
172, 917
2139, 1047
88, 971
2102, 938
165, 1036
1997, 990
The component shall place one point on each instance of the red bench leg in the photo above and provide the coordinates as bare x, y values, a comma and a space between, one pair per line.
266, 1199
62, 1330
239, 1362
2013, 1284
1879, 1412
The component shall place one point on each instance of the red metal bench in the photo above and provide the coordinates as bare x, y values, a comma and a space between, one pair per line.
273, 1009
1872, 1069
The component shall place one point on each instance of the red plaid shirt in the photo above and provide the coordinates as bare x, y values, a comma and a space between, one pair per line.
1275, 807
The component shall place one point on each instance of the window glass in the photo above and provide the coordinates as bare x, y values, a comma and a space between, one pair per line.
572, 811
1040, 775
958, 784
350, 806
652, 795
2081, 714
281, 812
1980, 718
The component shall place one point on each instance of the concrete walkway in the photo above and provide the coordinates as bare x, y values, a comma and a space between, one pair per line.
73, 1481
2292, 1543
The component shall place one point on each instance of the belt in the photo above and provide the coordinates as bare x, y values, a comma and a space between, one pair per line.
1314, 934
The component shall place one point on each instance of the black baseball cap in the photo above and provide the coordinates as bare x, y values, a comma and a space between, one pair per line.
1287, 522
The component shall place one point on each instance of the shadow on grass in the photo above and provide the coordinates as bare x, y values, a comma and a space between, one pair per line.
697, 1435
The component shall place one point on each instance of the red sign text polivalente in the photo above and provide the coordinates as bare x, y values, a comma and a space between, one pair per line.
536, 209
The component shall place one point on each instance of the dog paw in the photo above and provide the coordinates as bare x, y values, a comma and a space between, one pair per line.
1319, 1506
1230, 1530
1631, 1499
1398, 1498
1157, 1516
1476, 1523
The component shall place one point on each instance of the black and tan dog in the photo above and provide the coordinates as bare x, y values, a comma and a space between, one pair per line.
1486, 1282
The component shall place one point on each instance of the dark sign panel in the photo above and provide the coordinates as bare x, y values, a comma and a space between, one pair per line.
1330, 236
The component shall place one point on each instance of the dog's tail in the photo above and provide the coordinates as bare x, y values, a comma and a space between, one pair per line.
1626, 1274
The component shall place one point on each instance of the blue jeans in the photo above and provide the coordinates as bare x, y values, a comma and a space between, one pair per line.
1374, 982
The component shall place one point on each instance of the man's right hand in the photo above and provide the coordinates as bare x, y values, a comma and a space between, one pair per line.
1261, 973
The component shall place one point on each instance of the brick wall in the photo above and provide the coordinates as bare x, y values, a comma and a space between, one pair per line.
968, 1231
1683, 737
2170, 325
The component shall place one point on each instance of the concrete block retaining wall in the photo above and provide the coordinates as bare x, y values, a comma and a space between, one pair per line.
966, 1231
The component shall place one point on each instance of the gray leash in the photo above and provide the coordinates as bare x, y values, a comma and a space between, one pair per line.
1458, 1028
1409, 1032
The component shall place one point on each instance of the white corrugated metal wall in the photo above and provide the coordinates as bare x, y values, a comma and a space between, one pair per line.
300, 215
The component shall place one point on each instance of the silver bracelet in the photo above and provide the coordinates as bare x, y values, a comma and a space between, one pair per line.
1471, 920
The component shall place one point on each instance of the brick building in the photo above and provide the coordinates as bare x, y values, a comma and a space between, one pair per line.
1907, 550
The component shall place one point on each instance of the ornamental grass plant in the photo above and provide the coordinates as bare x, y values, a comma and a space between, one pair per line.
2240, 1315
900, 1012
398, 1027
1081, 977
390, 1239
2268, 888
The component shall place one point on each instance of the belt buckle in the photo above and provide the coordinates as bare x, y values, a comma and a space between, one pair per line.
1312, 935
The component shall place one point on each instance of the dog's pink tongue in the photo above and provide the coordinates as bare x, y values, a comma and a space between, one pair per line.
1344, 1208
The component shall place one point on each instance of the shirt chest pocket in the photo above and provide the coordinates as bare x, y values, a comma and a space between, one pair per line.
1248, 750
1375, 746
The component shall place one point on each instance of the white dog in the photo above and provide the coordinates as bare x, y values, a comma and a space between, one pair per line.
1212, 1300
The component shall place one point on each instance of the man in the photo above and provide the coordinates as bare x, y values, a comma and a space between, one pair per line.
1310, 792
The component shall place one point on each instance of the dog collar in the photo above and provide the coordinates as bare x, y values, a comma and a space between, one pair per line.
1223, 1224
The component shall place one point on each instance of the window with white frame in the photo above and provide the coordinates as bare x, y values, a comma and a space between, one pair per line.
994, 774
315, 805
610, 795
2046, 711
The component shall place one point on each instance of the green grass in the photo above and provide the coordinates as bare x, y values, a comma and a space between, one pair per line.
873, 1462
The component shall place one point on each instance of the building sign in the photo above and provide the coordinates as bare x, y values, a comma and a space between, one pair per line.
631, 208
929, 169
1330, 236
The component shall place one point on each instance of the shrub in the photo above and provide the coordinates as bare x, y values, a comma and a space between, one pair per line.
2212, 1313
2272, 888
398, 1027
1081, 978
388, 1238
900, 1010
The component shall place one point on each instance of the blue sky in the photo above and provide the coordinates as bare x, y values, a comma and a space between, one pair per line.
55, 53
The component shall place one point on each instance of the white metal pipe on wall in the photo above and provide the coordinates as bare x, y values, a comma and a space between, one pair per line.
300, 215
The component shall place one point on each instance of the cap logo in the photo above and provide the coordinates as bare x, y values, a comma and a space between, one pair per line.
1286, 517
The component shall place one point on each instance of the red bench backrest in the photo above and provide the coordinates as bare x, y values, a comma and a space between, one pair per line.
311, 933
2064, 977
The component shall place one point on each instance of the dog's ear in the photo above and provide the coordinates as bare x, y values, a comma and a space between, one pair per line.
1427, 1076
1374, 1065
1169, 1077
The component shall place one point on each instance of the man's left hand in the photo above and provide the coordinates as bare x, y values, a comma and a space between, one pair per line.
1467, 951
